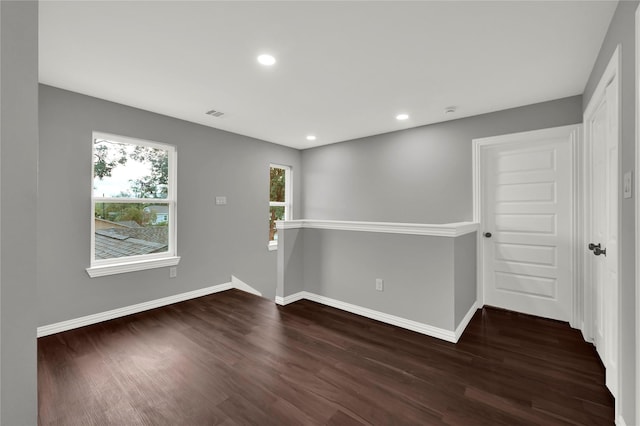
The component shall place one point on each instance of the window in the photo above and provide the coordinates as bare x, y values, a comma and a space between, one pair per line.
133, 205
279, 200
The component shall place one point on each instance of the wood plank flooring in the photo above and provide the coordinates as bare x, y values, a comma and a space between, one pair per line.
234, 359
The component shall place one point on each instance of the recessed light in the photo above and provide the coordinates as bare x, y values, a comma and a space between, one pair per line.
311, 138
402, 116
450, 109
266, 60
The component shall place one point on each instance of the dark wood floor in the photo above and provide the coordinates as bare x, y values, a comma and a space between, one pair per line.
233, 358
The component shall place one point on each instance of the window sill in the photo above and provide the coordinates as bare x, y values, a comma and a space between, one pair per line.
140, 265
273, 246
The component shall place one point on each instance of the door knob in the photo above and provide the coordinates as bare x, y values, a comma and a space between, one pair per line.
598, 251
487, 234
593, 246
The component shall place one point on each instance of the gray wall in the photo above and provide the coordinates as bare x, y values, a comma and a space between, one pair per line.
622, 31
214, 242
428, 279
465, 275
417, 272
291, 261
420, 175
18, 178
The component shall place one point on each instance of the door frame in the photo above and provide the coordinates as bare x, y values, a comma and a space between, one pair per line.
611, 72
480, 145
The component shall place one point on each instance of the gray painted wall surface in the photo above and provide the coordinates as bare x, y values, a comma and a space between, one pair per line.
214, 242
417, 272
420, 175
622, 31
465, 277
291, 261
18, 178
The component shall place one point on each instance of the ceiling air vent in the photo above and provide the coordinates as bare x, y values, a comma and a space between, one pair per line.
215, 113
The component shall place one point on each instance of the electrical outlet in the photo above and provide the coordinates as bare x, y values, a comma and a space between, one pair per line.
379, 284
173, 272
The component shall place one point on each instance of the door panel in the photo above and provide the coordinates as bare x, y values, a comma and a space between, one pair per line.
526, 284
526, 254
527, 207
603, 191
526, 223
526, 192
599, 220
518, 162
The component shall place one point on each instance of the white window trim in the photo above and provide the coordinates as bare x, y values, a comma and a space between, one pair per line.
132, 266
288, 202
103, 267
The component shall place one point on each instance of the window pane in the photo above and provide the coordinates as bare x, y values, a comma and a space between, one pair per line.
275, 213
277, 184
128, 170
130, 229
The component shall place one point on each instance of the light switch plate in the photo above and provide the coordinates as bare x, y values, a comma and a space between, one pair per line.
221, 201
627, 185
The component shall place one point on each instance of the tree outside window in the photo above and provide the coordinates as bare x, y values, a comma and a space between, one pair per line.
279, 198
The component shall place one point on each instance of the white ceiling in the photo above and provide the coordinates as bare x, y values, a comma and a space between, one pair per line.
344, 69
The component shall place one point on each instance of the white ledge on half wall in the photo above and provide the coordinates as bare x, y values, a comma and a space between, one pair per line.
436, 230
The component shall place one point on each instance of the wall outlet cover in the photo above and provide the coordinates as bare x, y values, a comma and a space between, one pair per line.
379, 284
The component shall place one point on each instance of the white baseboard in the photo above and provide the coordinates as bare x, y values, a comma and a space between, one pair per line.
429, 330
426, 329
290, 299
465, 321
58, 327
240, 285
620, 421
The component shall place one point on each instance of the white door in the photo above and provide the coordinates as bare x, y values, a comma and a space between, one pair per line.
602, 261
526, 222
